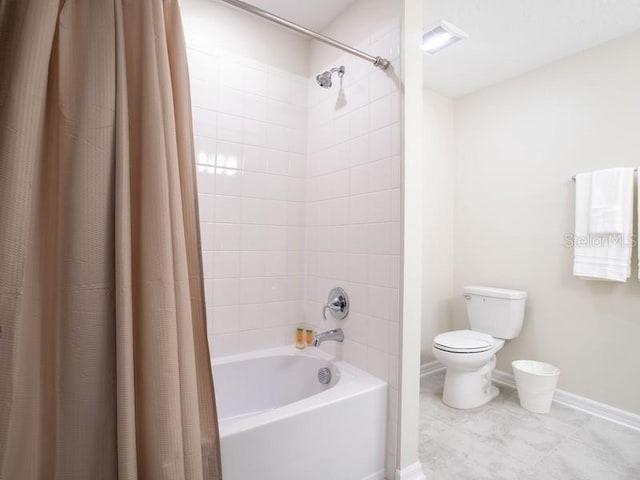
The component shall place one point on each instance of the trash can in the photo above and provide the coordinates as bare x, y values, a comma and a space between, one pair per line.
536, 382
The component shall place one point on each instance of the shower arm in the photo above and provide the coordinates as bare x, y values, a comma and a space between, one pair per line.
379, 62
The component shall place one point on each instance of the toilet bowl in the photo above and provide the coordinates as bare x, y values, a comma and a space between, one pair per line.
495, 315
470, 359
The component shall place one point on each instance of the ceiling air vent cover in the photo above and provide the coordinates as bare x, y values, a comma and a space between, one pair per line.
441, 36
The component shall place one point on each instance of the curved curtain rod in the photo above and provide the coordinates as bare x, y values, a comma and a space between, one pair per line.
379, 62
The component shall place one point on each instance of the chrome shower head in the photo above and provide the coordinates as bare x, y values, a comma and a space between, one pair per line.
324, 79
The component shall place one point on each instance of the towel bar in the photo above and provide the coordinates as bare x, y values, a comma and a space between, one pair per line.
635, 171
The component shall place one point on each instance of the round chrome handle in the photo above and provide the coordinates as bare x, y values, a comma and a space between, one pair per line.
337, 304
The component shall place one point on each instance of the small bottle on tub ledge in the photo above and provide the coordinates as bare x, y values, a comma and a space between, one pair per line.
309, 337
300, 338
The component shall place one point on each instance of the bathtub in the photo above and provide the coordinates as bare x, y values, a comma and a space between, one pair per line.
279, 422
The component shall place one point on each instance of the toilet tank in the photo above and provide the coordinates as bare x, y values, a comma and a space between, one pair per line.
496, 311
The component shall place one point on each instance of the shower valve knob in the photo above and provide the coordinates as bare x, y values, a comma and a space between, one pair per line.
337, 304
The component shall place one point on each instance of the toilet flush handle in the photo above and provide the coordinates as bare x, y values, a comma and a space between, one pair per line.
468, 297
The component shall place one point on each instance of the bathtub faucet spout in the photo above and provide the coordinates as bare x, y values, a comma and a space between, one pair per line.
335, 335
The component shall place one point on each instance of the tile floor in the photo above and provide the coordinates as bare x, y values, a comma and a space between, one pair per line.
501, 440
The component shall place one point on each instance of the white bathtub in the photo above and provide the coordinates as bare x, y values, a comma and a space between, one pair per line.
278, 422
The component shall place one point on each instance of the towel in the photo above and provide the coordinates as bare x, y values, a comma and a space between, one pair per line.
599, 256
611, 200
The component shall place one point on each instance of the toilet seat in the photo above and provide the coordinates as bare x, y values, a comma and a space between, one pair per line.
463, 341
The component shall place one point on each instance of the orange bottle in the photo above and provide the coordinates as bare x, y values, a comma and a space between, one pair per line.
300, 338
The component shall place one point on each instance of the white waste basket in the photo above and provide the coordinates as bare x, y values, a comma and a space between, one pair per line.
536, 382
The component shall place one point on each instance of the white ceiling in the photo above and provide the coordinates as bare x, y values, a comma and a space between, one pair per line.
510, 37
311, 14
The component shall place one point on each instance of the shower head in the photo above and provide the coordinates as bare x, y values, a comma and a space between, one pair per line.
324, 79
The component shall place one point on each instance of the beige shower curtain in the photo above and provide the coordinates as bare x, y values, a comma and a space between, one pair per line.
104, 364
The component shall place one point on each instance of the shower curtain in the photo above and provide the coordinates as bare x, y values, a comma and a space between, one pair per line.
104, 363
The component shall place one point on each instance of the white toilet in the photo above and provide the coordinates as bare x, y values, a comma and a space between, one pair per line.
495, 315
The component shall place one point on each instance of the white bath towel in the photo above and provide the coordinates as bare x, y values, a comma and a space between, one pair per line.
598, 256
611, 200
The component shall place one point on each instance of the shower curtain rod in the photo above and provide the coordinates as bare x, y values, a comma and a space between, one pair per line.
379, 62
635, 171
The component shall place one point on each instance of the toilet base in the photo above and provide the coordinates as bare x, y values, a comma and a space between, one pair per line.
464, 389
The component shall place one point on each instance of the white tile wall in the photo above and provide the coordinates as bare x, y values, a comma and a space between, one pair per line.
299, 192
250, 124
353, 212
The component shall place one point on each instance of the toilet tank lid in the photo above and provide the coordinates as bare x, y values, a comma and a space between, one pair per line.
494, 292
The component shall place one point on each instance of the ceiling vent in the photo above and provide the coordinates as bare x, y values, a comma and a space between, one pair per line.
442, 35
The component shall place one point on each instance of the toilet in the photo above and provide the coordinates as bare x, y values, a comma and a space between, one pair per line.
495, 315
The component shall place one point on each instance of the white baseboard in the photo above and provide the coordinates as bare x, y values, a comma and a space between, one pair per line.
379, 475
602, 410
412, 472
430, 367
504, 378
597, 409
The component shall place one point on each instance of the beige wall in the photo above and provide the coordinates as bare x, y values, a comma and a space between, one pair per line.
517, 145
437, 223
409, 466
